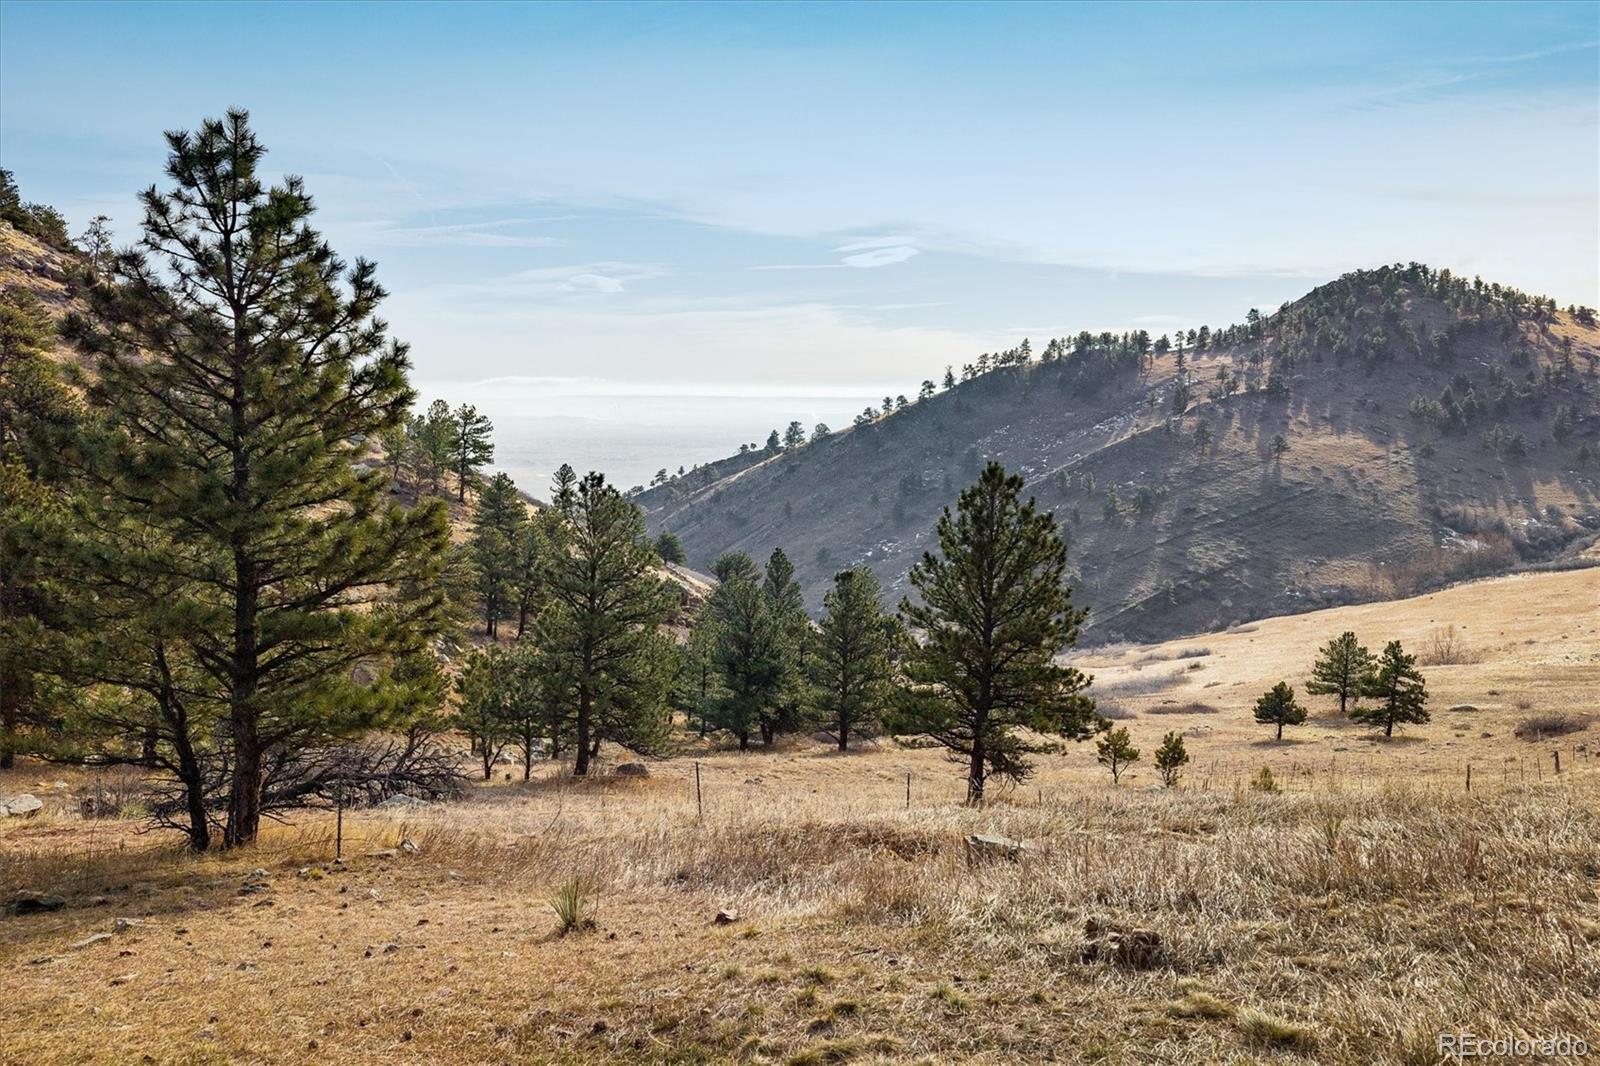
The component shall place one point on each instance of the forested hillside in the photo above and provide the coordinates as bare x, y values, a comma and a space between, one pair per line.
1389, 432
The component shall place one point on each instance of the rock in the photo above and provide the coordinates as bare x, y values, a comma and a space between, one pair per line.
41, 960
409, 847
726, 916
90, 941
255, 882
1137, 949
123, 979
982, 848
122, 925
32, 903
401, 801
1464, 707
633, 769
390, 949
24, 806
382, 853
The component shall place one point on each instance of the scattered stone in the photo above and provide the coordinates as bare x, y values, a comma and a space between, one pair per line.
122, 925
726, 916
41, 960
26, 902
382, 853
409, 847
1137, 949
1465, 707
90, 941
25, 805
246, 965
123, 979
982, 848
255, 882
633, 769
390, 949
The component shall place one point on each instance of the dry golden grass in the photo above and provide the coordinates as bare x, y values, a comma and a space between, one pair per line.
1347, 919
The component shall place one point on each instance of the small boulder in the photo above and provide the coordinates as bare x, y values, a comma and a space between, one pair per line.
24, 806
633, 769
122, 925
89, 941
401, 801
984, 847
25, 902
726, 916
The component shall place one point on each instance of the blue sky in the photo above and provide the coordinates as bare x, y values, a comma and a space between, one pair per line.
815, 197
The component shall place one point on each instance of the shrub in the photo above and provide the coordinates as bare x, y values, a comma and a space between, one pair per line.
1543, 726
1264, 781
573, 905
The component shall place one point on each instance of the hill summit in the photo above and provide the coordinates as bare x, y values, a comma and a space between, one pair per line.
1389, 432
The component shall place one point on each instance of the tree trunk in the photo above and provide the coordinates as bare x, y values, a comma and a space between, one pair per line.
193, 794
580, 768
975, 772
527, 759
1280, 730
744, 740
10, 722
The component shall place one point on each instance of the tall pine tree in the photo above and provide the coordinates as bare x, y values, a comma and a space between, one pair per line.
601, 632
850, 668
237, 364
1343, 665
995, 610
471, 446
1399, 688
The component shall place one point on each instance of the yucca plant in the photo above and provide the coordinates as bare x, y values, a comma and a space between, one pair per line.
573, 905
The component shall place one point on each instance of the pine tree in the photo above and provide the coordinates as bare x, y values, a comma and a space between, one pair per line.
995, 610
602, 626
1342, 667
471, 446
433, 432
563, 490
1171, 756
1115, 751
486, 690
37, 413
697, 685
786, 603
1278, 707
1400, 689
794, 436
851, 669
234, 380
749, 650
496, 545
527, 581
670, 548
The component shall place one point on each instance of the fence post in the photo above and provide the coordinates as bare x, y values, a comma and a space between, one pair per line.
908, 790
1557, 754
699, 802
1469, 777
338, 824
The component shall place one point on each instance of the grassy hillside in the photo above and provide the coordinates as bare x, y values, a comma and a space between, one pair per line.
1431, 429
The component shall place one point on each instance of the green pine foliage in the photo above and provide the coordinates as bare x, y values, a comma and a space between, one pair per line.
37, 415
600, 634
1342, 667
1171, 758
1278, 707
995, 608
1115, 751
471, 446
237, 361
850, 670
1400, 691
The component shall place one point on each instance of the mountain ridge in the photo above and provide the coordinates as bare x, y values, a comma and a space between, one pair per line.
1388, 432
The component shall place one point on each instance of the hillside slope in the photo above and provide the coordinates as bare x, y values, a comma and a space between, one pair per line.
1431, 429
